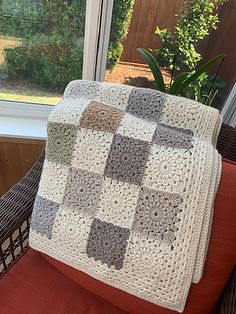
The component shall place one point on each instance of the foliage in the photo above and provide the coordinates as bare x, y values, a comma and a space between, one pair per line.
205, 85
182, 81
52, 45
122, 13
50, 66
195, 21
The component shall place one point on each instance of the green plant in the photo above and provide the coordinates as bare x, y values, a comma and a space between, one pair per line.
122, 13
195, 21
182, 81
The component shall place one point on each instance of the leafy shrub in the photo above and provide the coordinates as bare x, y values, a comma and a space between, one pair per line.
195, 21
122, 13
51, 66
51, 54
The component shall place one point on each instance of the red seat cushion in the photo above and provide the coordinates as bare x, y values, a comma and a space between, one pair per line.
221, 259
33, 286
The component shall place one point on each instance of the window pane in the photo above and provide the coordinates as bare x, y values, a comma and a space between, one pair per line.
41, 48
182, 35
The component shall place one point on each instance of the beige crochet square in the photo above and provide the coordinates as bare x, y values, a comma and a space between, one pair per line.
91, 150
137, 128
101, 117
166, 169
117, 202
53, 181
71, 230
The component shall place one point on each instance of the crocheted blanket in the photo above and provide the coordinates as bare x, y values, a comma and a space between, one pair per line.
127, 188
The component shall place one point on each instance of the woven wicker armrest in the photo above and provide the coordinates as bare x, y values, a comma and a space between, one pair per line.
15, 211
226, 143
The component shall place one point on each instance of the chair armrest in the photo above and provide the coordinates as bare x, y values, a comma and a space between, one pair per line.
15, 210
226, 143
227, 301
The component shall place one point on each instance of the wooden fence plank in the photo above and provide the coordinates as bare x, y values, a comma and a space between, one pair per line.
146, 16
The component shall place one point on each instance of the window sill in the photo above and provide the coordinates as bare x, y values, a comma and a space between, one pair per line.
24, 120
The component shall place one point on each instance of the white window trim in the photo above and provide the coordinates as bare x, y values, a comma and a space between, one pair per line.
228, 111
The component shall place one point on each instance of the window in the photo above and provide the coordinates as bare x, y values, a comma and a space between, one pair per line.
41, 48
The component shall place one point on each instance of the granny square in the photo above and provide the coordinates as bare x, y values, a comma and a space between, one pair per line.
53, 181
137, 128
107, 243
71, 230
81, 89
113, 95
156, 214
165, 169
91, 150
117, 203
146, 103
101, 117
82, 190
172, 136
126, 160
60, 142
43, 216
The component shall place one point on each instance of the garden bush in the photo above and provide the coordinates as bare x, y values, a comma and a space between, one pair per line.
51, 66
122, 13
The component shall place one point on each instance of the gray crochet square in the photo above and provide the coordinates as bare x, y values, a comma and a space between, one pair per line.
167, 135
127, 159
61, 138
43, 217
156, 214
107, 243
82, 190
146, 103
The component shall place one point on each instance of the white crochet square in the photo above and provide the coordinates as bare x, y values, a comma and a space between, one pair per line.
71, 230
144, 262
69, 111
91, 150
117, 202
166, 169
137, 128
53, 181
185, 113
114, 95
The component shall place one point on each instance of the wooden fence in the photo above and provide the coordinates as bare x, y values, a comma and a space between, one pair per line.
150, 13
146, 16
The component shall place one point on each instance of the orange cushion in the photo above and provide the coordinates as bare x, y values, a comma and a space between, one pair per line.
221, 259
32, 286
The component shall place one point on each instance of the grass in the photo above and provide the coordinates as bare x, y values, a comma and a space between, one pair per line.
29, 95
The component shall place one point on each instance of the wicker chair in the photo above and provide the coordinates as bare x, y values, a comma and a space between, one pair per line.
16, 207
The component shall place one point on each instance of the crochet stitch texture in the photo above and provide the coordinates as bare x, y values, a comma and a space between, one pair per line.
128, 187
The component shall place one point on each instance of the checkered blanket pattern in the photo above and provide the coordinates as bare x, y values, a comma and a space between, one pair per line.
127, 188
